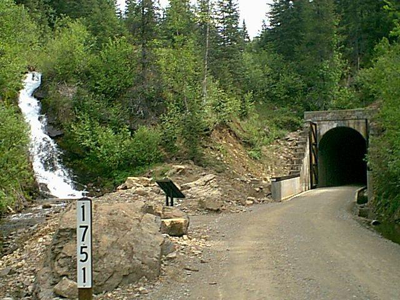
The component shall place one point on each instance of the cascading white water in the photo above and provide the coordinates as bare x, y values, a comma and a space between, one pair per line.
44, 152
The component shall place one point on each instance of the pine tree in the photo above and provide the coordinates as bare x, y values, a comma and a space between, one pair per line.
363, 24
226, 65
181, 67
284, 33
318, 60
245, 33
208, 39
142, 20
179, 23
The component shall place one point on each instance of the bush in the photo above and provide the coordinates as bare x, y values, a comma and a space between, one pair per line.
106, 152
112, 71
66, 56
18, 42
384, 153
15, 171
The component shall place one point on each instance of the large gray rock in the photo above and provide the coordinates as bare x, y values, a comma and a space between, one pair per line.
66, 288
211, 204
201, 182
169, 212
126, 246
207, 192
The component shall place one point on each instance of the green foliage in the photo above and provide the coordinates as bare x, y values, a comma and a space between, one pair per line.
111, 72
263, 126
18, 41
222, 106
106, 152
65, 57
271, 79
383, 81
15, 171
362, 25
182, 91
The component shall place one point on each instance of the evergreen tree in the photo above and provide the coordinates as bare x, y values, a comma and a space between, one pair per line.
284, 33
208, 36
227, 64
245, 33
100, 16
181, 68
318, 59
363, 24
142, 20
179, 23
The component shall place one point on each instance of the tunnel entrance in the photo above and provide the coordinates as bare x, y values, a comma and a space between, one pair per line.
341, 155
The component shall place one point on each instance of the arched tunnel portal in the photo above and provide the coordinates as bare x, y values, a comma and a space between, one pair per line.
341, 158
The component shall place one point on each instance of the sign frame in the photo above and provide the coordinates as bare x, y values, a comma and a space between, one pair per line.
84, 248
171, 191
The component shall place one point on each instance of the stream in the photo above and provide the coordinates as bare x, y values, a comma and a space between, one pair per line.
53, 178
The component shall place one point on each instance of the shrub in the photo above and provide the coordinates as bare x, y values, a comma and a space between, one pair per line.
106, 152
384, 153
66, 56
18, 42
15, 171
112, 71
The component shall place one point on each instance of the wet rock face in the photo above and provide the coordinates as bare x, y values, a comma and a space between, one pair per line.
127, 245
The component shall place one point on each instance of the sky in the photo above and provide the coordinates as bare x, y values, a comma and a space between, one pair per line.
253, 11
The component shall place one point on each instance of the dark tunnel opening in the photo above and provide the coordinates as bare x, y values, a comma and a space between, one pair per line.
341, 156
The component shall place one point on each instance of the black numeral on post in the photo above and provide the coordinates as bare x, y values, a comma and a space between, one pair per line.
83, 213
84, 274
85, 229
83, 252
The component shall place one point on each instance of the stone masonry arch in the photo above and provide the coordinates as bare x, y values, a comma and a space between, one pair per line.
341, 138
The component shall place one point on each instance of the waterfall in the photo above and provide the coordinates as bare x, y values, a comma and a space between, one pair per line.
45, 155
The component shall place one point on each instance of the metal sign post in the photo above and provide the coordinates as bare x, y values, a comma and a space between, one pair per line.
84, 248
171, 191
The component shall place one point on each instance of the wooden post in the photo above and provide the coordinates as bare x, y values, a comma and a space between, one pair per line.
85, 294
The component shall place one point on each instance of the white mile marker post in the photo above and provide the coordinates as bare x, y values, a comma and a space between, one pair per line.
84, 248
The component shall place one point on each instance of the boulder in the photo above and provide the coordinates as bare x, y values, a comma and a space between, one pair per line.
211, 204
176, 170
135, 183
126, 246
364, 212
201, 182
249, 202
167, 247
155, 209
66, 288
132, 182
54, 132
175, 227
169, 212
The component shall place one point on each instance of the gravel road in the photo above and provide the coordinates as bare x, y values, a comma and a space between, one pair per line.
311, 247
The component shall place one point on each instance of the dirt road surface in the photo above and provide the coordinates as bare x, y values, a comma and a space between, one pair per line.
311, 247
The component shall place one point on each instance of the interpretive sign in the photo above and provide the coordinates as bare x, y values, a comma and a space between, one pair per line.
84, 243
171, 191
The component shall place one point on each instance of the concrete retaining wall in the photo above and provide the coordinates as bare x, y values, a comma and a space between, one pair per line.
286, 187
